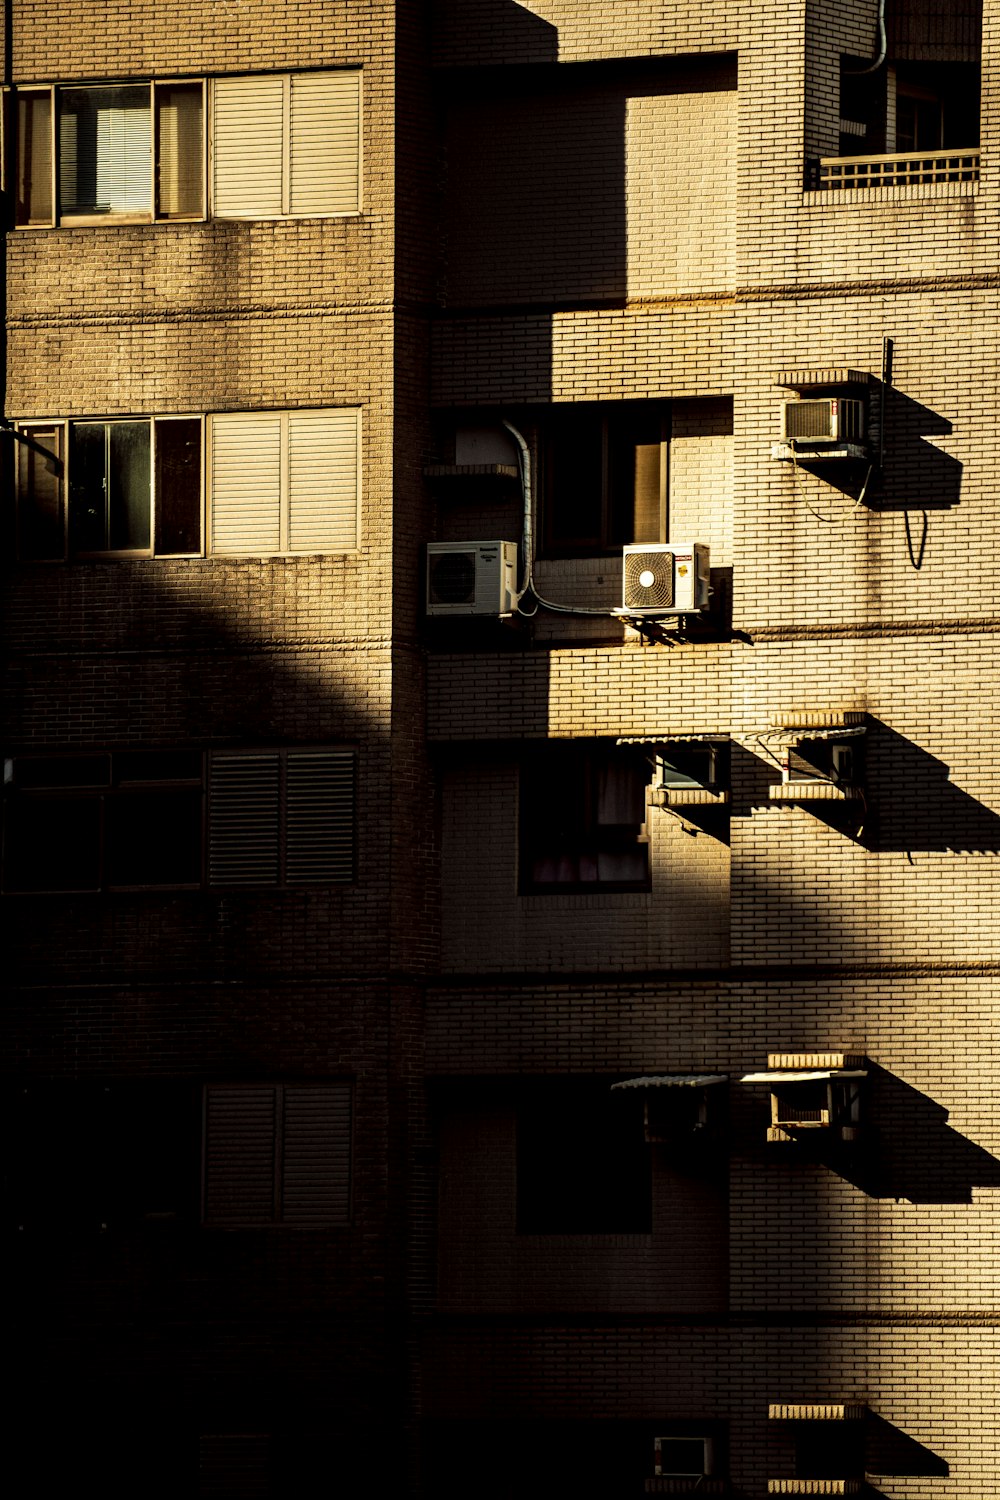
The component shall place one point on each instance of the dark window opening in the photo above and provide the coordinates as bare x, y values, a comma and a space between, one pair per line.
136, 820
907, 107
604, 476
829, 1450
582, 819
583, 1164
99, 1156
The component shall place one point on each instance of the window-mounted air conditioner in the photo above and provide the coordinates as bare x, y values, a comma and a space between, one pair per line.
832, 420
682, 1457
669, 578
471, 578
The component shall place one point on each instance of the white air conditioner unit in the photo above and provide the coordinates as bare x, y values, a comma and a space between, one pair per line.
665, 579
682, 1457
832, 420
471, 578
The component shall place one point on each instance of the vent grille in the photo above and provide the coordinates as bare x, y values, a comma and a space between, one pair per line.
320, 817
244, 840
452, 578
809, 419
649, 580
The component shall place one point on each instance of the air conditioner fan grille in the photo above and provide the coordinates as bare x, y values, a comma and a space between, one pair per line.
649, 580
452, 577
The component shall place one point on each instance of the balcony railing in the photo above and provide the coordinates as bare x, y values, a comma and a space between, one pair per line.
909, 169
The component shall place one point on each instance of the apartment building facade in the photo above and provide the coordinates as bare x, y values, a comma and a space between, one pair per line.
500, 814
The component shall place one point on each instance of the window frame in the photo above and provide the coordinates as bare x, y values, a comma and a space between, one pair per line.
57, 219
536, 770
289, 496
117, 788
62, 425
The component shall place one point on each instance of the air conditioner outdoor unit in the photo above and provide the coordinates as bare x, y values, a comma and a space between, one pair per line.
471, 578
833, 420
669, 578
682, 1457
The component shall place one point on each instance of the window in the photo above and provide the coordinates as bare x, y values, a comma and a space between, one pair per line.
277, 1154
98, 1156
582, 811
281, 145
136, 820
277, 482
605, 476
583, 1165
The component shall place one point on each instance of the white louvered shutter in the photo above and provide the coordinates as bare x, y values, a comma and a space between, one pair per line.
246, 483
248, 152
241, 1125
323, 481
319, 829
324, 143
244, 819
316, 1156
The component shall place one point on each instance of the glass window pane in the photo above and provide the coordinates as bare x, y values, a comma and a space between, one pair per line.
62, 770
154, 838
128, 486
88, 503
179, 152
157, 765
34, 159
41, 525
52, 844
105, 151
634, 476
178, 487
575, 482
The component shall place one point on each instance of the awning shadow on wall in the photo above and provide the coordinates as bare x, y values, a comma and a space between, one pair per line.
908, 1151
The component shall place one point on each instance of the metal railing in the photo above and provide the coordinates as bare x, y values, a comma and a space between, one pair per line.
910, 168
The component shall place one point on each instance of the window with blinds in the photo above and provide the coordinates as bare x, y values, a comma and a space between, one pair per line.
280, 145
135, 820
283, 482
277, 482
277, 1154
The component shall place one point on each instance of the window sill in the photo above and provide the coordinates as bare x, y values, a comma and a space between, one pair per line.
578, 899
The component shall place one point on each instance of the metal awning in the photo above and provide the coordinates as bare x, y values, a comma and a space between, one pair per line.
797, 1076
674, 739
672, 1081
796, 736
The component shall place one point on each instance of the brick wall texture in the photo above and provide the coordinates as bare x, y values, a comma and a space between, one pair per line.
562, 202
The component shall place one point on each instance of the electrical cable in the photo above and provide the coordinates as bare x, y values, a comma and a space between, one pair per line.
873, 67
828, 520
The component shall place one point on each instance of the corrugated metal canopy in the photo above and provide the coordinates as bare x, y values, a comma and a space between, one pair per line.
796, 736
804, 1077
674, 739
671, 1080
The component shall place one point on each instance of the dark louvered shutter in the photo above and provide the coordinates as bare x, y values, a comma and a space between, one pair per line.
234, 1466
240, 1144
316, 1177
320, 817
244, 819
